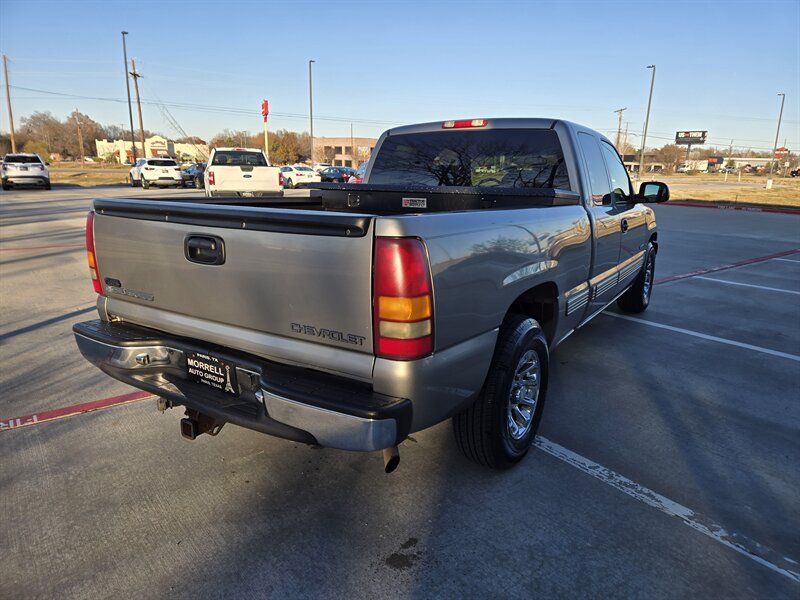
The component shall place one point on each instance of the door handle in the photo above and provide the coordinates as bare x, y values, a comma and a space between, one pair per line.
624, 225
204, 249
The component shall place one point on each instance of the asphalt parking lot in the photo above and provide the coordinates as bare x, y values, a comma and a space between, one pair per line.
667, 462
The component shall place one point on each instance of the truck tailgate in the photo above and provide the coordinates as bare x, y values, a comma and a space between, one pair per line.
290, 274
246, 178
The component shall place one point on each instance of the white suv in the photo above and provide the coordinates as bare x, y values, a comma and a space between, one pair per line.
24, 169
156, 171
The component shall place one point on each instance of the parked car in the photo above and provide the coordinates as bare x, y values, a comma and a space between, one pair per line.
24, 169
795, 173
358, 176
243, 172
194, 174
156, 172
728, 170
353, 322
336, 174
299, 175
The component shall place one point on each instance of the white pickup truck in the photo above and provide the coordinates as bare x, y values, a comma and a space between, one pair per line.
241, 172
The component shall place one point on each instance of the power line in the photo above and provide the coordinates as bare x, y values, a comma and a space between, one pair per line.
214, 108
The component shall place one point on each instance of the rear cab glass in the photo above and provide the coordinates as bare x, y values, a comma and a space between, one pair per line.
496, 158
239, 158
18, 158
162, 163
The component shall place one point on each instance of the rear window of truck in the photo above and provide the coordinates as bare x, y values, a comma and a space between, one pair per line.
162, 163
497, 158
239, 158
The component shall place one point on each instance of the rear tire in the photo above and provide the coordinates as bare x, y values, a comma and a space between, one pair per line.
198, 183
498, 429
133, 181
47, 185
145, 183
637, 298
289, 184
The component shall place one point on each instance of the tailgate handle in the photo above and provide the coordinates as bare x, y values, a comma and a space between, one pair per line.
204, 249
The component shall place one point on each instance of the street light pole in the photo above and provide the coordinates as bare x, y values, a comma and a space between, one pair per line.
128, 85
777, 133
311, 111
646, 120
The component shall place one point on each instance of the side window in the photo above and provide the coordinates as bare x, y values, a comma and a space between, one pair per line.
620, 183
598, 177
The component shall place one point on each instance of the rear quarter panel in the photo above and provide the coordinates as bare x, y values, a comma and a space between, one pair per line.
482, 261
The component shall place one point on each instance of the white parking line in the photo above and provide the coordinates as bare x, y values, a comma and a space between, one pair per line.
750, 285
787, 260
744, 546
711, 338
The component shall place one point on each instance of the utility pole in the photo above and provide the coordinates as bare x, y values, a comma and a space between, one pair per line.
775, 147
136, 76
646, 121
8, 99
353, 160
311, 112
625, 135
128, 86
730, 153
619, 111
80, 135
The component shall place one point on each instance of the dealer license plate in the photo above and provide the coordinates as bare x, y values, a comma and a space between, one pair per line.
247, 194
213, 372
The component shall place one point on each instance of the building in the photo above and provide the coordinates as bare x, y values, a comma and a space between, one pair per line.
339, 151
651, 165
153, 147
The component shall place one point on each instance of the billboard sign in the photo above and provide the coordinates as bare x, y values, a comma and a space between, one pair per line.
690, 137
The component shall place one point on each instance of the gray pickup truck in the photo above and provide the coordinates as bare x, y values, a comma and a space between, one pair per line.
359, 314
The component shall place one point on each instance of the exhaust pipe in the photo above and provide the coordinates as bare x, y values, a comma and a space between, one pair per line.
391, 458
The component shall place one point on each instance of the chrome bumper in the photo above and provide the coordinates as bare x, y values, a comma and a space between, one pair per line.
160, 368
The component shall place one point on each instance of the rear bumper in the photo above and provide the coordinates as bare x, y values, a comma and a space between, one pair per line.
164, 181
245, 194
25, 179
287, 402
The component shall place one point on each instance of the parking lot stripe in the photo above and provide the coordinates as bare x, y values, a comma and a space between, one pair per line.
787, 260
741, 263
751, 285
744, 546
704, 336
69, 411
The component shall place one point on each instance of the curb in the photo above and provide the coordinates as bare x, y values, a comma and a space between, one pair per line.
766, 209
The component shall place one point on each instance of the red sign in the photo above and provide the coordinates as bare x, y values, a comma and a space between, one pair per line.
781, 152
265, 110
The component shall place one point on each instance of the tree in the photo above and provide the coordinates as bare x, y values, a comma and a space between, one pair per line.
40, 148
670, 155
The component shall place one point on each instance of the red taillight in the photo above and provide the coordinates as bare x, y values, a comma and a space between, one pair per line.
464, 123
149, 168
358, 179
211, 178
91, 255
403, 299
280, 179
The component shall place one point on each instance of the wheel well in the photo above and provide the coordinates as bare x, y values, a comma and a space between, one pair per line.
540, 303
654, 240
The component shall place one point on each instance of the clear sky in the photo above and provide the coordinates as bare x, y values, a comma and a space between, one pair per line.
720, 64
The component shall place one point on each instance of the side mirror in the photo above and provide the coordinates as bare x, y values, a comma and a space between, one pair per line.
653, 191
